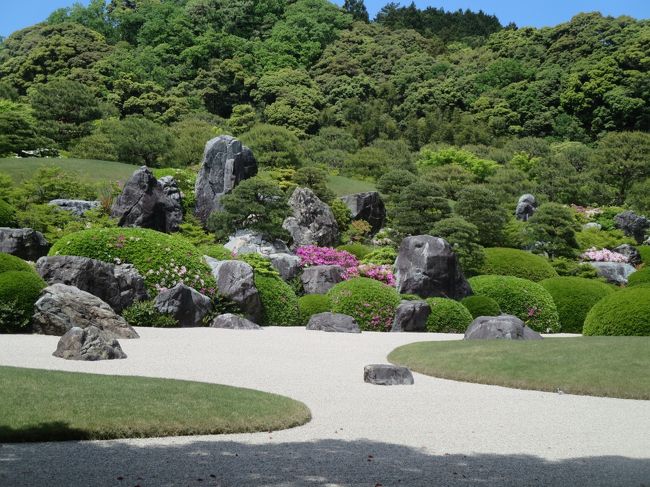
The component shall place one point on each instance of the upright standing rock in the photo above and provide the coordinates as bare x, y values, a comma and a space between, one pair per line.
633, 225
526, 207
226, 162
426, 266
186, 305
25, 243
313, 222
321, 278
235, 281
411, 316
367, 206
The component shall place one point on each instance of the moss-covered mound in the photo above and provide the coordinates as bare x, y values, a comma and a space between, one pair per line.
312, 304
279, 301
19, 290
639, 277
623, 313
447, 316
518, 263
10, 262
481, 306
644, 251
7, 214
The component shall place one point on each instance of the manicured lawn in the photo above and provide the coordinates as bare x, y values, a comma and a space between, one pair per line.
593, 366
342, 185
41, 405
88, 170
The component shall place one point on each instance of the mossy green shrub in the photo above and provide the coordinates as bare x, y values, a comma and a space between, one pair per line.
359, 250
279, 302
312, 304
162, 259
574, 297
525, 299
447, 316
370, 302
381, 256
216, 251
7, 214
518, 263
639, 277
261, 265
624, 313
481, 306
410, 297
19, 290
644, 251
144, 313
10, 262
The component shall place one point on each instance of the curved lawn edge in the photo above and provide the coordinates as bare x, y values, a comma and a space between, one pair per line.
47, 405
592, 366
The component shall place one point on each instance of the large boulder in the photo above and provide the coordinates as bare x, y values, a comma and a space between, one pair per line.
629, 251
526, 207
118, 285
226, 162
88, 344
426, 266
76, 207
367, 206
186, 305
633, 225
287, 265
321, 278
503, 327
312, 222
247, 242
234, 322
614, 272
25, 243
62, 307
144, 203
387, 375
235, 281
411, 316
333, 322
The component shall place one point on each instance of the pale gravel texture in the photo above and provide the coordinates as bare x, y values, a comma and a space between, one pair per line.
436, 432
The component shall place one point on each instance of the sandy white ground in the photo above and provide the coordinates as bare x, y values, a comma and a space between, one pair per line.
436, 432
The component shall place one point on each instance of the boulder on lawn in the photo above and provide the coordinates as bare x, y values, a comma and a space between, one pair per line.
61, 308
76, 207
247, 242
629, 251
321, 278
226, 162
88, 344
387, 375
234, 322
119, 285
312, 221
25, 243
411, 316
503, 327
236, 282
526, 207
367, 206
427, 266
288, 265
185, 304
614, 272
633, 225
333, 322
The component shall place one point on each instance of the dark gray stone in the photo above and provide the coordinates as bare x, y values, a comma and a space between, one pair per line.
387, 375
234, 322
411, 316
614, 272
61, 308
312, 222
144, 203
185, 304
235, 281
333, 322
118, 285
427, 266
288, 265
321, 278
629, 251
246, 242
633, 225
76, 207
503, 327
25, 243
526, 207
88, 344
226, 162
367, 206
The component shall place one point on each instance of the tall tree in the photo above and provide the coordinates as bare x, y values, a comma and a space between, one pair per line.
357, 8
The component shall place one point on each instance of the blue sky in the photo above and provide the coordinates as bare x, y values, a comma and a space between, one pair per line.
538, 13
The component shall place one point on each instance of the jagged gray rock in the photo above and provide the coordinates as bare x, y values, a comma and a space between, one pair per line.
367, 206
387, 375
633, 225
614, 272
118, 285
411, 316
247, 242
61, 308
288, 265
235, 281
185, 304
333, 322
321, 278
526, 207
503, 327
313, 222
26, 243
76, 207
629, 251
226, 162
88, 344
234, 322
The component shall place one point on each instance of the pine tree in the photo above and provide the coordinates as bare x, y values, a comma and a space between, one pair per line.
357, 8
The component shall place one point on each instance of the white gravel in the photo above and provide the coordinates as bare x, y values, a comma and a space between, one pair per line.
436, 432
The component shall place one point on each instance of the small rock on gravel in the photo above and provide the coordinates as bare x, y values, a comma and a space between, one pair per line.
234, 322
333, 322
88, 344
387, 375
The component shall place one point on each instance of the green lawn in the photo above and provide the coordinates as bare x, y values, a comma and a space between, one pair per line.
593, 366
40, 405
88, 170
342, 185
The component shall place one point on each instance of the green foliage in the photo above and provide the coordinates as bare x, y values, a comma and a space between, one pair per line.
51, 183
19, 290
279, 302
481, 168
189, 137
144, 313
574, 297
642, 276
621, 313
644, 251
480, 206
571, 268
463, 238
242, 119
554, 227
10, 262
274, 146
447, 316
215, 251
525, 299
452, 178
261, 265
391, 183
371, 303
380, 256
481, 306
517, 263
47, 219
419, 206
7, 214
358, 231
312, 304
342, 214
588, 238
359, 250
314, 178
18, 130
638, 198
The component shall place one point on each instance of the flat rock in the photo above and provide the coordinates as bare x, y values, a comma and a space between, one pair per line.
333, 322
367, 206
411, 316
88, 344
185, 304
503, 327
234, 322
247, 242
614, 272
76, 207
387, 375
312, 221
26, 243
235, 281
321, 278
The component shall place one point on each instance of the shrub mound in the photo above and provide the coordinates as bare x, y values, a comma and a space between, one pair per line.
381, 256
574, 297
7, 214
10, 262
359, 250
312, 304
625, 313
162, 259
639, 277
525, 299
279, 302
19, 290
518, 263
370, 302
481, 306
447, 316
644, 250
144, 313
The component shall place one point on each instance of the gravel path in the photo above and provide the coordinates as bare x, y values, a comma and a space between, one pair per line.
435, 433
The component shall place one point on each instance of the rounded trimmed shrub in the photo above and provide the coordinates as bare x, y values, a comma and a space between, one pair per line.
359, 250
525, 299
639, 277
312, 304
381, 256
447, 316
370, 302
574, 297
501, 261
279, 302
7, 214
481, 306
19, 290
163, 260
624, 313
10, 262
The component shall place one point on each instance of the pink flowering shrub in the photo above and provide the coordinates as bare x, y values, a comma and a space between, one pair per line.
382, 273
603, 255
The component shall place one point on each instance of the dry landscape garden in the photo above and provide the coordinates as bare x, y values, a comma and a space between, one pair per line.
242, 218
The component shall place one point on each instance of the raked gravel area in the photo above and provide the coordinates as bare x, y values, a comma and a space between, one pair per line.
434, 433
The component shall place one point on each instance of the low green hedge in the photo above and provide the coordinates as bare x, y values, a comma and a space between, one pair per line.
19, 290
447, 316
7, 214
10, 262
574, 297
357, 249
624, 313
518, 263
312, 304
381, 256
525, 299
639, 277
481, 306
279, 302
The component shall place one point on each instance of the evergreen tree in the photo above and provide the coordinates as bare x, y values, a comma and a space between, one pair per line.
358, 10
